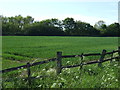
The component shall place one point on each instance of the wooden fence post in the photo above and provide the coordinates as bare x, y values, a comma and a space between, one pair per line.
102, 57
29, 73
111, 57
119, 54
119, 50
81, 61
59, 62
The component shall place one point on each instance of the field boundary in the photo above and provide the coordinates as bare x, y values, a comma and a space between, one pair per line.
59, 66
59, 59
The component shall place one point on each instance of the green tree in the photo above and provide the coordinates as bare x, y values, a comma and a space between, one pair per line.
52, 22
28, 20
85, 29
39, 29
15, 25
113, 30
101, 26
10, 29
69, 25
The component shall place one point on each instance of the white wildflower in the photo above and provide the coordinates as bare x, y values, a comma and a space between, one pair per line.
68, 62
77, 77
19, 71
67, 70
115, 65
108, 78
54, 84
24, 69
105, 80
115, 54
113, 77
103, 77
113, 60
89, 69
116, 80
60, 84
37, 77
51, 70
39, 85
102, 83
43, 70
60, 73
63, 79
73, 79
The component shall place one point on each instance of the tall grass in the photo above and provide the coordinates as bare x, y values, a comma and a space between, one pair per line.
17, 50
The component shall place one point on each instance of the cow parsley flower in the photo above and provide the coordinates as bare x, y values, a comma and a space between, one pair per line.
54, 84
116, 80
68, 62
77, 77
39, 85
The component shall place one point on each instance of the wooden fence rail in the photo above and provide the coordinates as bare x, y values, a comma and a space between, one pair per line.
92, 54
90, 62
59, 60
25, 66
59, 66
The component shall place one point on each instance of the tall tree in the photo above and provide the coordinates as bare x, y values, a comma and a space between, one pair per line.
113, 30
69, 25
52, 22
28, 20
101, 26
83, 28
40, 29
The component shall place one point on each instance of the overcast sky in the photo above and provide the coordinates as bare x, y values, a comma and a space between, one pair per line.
89, 11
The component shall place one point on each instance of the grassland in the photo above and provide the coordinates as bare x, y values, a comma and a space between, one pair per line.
17, 50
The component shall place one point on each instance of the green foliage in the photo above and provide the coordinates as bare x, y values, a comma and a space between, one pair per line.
42, 30
113, 30
85, 29
17, 50
110, 30
69, 25
90, 76
15, 25
10, 29
19, 25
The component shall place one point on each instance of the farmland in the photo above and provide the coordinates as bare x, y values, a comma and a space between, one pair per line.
18, 50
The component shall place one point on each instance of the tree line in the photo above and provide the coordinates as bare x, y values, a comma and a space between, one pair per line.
19, 25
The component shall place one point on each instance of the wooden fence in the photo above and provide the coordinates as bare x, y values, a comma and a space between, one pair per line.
58, 60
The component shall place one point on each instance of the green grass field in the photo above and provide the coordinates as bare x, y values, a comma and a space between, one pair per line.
18, 50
